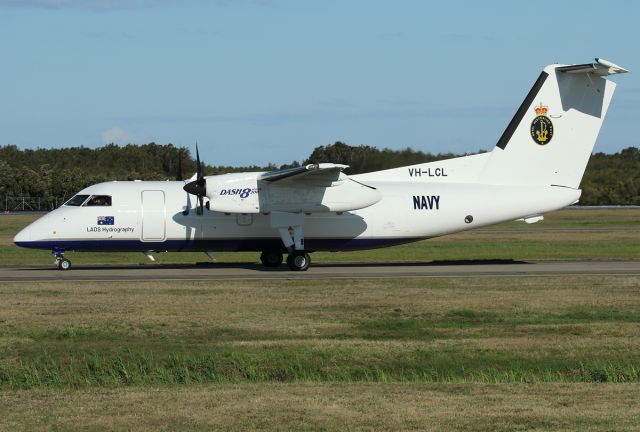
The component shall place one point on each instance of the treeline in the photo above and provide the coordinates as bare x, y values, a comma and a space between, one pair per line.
54, 175
612, 179
366, 159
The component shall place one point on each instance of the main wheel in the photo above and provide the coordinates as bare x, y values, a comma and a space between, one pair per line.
64, 264
299, 261
271, 259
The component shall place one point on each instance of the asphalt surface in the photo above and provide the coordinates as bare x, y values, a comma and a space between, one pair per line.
320, 271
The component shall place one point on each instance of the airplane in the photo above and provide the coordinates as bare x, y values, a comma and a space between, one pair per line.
536, 167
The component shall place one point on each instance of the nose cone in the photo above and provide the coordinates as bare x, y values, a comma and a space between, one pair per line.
23, 237
196, 187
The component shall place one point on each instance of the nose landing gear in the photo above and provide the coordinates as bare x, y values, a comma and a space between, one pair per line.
61, 263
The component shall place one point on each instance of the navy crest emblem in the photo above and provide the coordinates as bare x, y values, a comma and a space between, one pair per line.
541, 126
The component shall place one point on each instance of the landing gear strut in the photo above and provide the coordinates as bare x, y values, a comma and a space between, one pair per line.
271, 258
289, 227
61, 262
299, 260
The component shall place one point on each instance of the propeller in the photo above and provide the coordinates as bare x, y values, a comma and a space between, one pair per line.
198, 187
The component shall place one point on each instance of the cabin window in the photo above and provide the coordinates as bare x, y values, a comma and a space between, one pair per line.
99, 200
77, 200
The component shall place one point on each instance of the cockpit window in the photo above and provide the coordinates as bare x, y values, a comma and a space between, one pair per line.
77, 200
99, 200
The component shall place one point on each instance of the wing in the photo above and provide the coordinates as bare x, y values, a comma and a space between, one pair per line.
314, 188
324, 172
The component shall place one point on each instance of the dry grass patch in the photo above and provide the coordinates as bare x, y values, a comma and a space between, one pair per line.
6, 241
468, 407
296, 308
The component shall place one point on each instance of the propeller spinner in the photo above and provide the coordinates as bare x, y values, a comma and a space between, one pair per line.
198, 187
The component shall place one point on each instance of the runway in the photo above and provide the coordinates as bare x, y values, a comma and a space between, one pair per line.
321, 271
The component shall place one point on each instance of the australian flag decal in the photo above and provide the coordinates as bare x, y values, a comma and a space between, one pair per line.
106, 220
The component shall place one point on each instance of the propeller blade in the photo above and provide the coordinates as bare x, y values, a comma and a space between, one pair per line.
198, 187
179, 174
200, 173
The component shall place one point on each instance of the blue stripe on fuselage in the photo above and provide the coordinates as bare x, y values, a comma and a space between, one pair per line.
219, 245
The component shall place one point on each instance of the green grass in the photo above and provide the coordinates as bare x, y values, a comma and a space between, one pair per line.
492, 323
139, 367
506, 330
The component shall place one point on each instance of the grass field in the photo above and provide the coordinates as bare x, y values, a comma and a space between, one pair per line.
484, 354
564, 235
543, 352
328, 407
568, 329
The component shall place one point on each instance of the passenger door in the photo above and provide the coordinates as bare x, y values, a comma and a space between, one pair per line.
153, 216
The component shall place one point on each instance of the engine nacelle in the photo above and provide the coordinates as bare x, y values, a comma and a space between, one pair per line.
233, 193
245, 193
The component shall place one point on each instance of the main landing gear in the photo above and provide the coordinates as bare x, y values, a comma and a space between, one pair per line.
61, 262
296, 260
289, 227
271, 258
299, 260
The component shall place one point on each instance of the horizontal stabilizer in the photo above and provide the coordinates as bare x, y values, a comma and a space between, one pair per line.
601, 67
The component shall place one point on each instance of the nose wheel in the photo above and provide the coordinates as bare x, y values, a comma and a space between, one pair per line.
298, 261
62, 263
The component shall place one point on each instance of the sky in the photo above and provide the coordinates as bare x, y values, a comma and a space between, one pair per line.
267, 81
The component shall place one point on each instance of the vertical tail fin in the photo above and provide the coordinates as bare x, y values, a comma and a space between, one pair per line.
551, 136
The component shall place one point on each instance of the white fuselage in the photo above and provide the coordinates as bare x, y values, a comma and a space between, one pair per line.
416, 202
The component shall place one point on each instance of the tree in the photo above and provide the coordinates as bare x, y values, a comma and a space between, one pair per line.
57, 174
